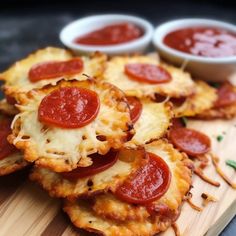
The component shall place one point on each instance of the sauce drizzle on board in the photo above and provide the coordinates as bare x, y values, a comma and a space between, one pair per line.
203, 41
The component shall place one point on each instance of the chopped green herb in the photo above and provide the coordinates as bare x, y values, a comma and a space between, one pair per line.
219, 138
215, 85
184, 120
231, 163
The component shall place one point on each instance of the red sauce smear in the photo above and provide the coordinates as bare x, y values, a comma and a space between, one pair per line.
190, 141
100, 163
203, 41
135, 108
10, 100
111, 35
226, 95
69, 107
148, 183
147, 73
6, 148
54, 69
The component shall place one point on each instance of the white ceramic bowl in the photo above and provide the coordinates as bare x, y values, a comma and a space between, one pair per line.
210, 69
91, 23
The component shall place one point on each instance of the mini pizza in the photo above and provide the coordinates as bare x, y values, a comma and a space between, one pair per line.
144, 76
11, 159
58, 127
225, 105
203, 99
105, 174
151, 120
47, 66
133, 209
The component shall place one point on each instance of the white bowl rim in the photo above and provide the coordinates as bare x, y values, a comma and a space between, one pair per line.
145, 38
169, 26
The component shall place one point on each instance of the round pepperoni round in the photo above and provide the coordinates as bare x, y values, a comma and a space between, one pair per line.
190, 141
6, 148
148, 183
226, 95
147, 73
135, 108
54, 69
100, 163
69, 107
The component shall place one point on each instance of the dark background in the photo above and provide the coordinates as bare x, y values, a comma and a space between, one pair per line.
28, 25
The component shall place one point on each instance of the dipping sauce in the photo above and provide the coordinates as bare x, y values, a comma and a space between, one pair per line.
203, 41
111, 34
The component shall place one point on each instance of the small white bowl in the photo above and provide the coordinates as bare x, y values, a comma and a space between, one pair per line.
208, 68
91, 23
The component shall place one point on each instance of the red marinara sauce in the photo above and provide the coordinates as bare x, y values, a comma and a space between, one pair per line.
203, 41
111, 35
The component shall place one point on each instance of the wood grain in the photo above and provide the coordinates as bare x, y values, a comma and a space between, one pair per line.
27, 210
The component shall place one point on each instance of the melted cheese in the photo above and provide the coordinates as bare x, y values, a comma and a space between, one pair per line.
64, 149
152, 124
16, 77
202, 100
7, 108
180, 85
103, 181
110, 207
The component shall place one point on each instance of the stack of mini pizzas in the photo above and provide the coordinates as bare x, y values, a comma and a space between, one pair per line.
106, 135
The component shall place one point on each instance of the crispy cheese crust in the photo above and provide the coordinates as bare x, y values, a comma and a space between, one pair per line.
106, 215
82, 216
12, 163
227, 112
112, 208
7, 108
153, 122
202, 100
180, 85
16, 77
63, 149
107, 180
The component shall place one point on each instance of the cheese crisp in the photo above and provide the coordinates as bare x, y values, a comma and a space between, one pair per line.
12, 163
17, 80
107, 180
181, 84
63, 149
7, 108
153, 122
107, 215
202, 100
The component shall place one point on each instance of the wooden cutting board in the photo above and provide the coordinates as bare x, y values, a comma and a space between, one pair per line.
25, 209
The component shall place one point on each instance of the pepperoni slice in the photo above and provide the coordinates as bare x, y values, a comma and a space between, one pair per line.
147, 73
5, 147
135, 108
226, 95
190, 141
69, 107
100, 163
54, 69
148, 183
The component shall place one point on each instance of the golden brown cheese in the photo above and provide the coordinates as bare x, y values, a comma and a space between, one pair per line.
227, 112
7, 108
16, 77
62, 149
112, 208
202, 100
153, 122
12, 163
82, 216
180, 85
109, 179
